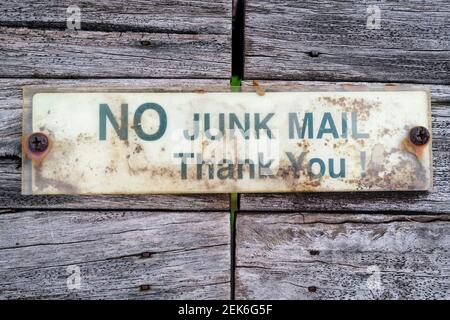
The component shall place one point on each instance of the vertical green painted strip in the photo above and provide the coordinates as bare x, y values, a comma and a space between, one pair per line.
235, 83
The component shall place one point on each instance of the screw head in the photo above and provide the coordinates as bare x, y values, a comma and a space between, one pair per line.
37, 142
419, 136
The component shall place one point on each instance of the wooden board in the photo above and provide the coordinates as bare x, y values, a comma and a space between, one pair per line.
157, 39
163, 16
165, 253
10, 153
99, 54
136, 254
437, 201
329, 40
120, 255
342, 256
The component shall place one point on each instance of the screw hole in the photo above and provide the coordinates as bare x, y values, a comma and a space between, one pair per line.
145, 43
312, 289
314, 54
144, 287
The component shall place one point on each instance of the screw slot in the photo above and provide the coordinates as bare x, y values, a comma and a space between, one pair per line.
419, 136
37, 142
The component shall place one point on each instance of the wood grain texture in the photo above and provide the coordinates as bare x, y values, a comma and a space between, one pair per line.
162, 16
437, 201
177, 255
345, 256
33, 53
329, 40
10, 153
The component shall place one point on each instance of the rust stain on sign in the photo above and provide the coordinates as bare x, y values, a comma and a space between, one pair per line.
117, 141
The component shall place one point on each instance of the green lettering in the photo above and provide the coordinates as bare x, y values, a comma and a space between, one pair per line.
327, 120
355, 132
322, 168
162, 121
234, 122
295, 125
341, 173
263, 124
105, 112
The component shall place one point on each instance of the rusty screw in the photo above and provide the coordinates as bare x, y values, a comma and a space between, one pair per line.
419, 136
37, 142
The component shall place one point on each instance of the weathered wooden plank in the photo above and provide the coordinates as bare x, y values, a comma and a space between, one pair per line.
165, 16
329, 40
33, 53
437, 201
120, 255
440, 94
10, 152
344, 256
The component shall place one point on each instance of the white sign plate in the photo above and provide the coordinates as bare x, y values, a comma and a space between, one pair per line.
104, 141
